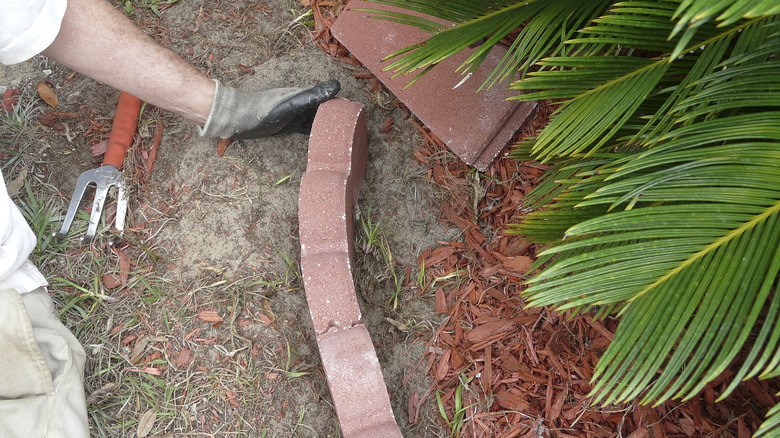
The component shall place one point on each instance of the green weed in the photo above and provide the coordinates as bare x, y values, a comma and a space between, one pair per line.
302, 19
40, 213
287, 371
372, 235
154, 5
292, 268
374, 241
387, 256
420, 280
455, 424
15, 123
285, 178
456, 276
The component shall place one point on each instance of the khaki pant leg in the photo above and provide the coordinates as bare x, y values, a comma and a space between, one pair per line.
41, 370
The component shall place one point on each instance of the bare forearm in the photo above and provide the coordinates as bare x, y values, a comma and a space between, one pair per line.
99, 41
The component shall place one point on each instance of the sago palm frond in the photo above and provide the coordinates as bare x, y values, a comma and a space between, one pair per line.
545, 24
693, 13
604, 92
687, 246
692, 252
770, 427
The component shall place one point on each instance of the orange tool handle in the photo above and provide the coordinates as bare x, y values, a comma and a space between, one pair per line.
123, 129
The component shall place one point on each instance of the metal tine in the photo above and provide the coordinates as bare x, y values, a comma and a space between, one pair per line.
108, 174
85, 179
97, 210
122, 198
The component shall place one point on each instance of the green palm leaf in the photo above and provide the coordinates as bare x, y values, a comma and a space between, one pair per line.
770, 427
729, 250
543, 25
590, 119
686, 242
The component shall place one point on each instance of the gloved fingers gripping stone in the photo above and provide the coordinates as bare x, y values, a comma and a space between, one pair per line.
251, 114
295, 110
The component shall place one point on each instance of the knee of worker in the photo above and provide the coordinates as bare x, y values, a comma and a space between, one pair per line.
61, 350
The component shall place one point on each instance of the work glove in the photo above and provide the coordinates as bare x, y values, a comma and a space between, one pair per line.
240, 114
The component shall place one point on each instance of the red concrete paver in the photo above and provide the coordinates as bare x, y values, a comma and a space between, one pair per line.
330, 291
356, 384
337, 158
475, 126
340, 141
516, 120
325, 217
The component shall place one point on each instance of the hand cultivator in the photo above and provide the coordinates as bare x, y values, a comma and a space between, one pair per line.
107, 175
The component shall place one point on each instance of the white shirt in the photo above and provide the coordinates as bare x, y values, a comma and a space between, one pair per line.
17, 241
28, 27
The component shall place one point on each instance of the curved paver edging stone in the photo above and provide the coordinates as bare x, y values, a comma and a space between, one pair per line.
338, 152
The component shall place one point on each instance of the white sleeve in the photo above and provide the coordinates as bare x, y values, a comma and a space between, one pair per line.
17, 241
28, 27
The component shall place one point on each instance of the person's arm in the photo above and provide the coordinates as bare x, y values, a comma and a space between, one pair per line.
97, 40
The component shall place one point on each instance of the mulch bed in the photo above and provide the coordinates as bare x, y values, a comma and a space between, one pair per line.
528, 370
512, 371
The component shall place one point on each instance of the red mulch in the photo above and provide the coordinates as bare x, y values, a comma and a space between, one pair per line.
525, 372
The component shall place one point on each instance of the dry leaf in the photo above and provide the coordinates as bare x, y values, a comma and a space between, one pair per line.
9, 99
413, 408
146, 423
184, 359
102, 392
268, 311
441, 301
388, 126
222, 146
264, 319
760, 395
511, 401
509, 362
439, 255
444, 366
111, 281
270, 314
742, 429
99, 149
18, 183
557, 406
139, 349
148, 370
47, 94
155, 147
485, 331
640, 433
124, 268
